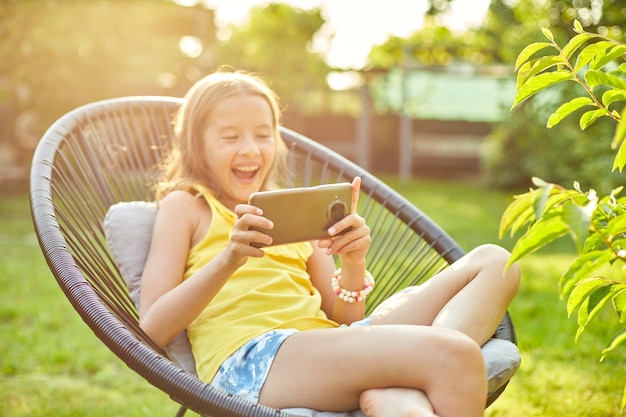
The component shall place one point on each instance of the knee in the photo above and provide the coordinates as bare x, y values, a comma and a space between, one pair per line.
465, 350
463, 367
492, 253
459, 353
494, 256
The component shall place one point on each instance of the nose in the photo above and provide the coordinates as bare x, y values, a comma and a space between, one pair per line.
249, 146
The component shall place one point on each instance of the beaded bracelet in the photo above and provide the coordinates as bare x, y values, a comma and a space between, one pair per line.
352, 296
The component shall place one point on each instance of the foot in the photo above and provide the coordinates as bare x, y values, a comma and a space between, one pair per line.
395, 402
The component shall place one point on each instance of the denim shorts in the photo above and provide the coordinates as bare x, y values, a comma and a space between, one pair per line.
244, 372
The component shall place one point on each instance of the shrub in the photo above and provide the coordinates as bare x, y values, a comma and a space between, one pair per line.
596, 223
521, 148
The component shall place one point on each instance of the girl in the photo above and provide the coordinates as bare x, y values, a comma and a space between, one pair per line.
286, 338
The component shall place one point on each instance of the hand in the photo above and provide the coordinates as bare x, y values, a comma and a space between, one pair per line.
353, 245
239, 248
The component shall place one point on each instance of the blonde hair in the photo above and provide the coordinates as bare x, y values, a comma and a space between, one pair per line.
185, 165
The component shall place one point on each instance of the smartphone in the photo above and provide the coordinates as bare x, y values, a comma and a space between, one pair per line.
303, 214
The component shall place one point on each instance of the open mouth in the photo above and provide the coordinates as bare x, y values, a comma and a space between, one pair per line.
246, 173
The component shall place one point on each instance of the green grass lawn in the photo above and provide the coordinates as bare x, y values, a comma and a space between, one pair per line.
53, 365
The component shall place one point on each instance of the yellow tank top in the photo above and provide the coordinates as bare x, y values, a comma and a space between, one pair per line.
272, 292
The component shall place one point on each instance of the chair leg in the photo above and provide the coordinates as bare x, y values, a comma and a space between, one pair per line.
181, 411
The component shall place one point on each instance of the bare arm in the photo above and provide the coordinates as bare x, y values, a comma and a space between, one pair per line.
168, 304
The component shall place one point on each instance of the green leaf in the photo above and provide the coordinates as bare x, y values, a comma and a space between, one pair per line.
612, 96
619, 243
618, 141
538, 182
620, 130
598, 299
593, 242
540, 234
619, 304
611, 54
562, 196
577, 219
548, 34
616, 191
616, 226
590, 307
590, 52
529, 51
523, 74
540, 82
517, 214
622, 68
588, 118
568, 108
619, 338
582, 291
583, 267
578, 27
620, 158
540, 198
574, 44
594, 78
532, 68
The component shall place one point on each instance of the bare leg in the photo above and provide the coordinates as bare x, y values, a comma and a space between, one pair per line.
330, 369
429, 367
471, 296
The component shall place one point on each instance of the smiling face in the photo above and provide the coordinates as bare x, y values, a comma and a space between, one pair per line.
226, 138
239, 146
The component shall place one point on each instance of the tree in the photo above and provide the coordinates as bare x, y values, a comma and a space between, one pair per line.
433, 45
511, 25
595, 223
58, 54
519, 147
508, 27
277, 43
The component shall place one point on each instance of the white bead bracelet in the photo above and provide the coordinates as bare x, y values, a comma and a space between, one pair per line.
348, 295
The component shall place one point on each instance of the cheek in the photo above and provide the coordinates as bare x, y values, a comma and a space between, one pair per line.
269, 151
211, 160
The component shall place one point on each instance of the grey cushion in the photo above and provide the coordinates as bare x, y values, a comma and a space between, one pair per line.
128, 229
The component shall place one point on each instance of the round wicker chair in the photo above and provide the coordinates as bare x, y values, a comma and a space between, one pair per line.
102, 153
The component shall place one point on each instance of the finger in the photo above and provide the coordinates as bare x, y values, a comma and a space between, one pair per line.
324, 243
248, 220
353, 221
259, 239
245, 251
356, 188
356, 238
354, 234
349, 247
252, 235
251, 227
241, 209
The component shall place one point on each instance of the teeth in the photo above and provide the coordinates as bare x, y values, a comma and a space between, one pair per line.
247, 169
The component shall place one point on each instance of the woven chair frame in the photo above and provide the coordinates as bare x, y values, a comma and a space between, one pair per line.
105, 152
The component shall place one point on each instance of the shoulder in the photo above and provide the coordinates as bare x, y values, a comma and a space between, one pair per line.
181, 202
177, 198
179, 207
186, 211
